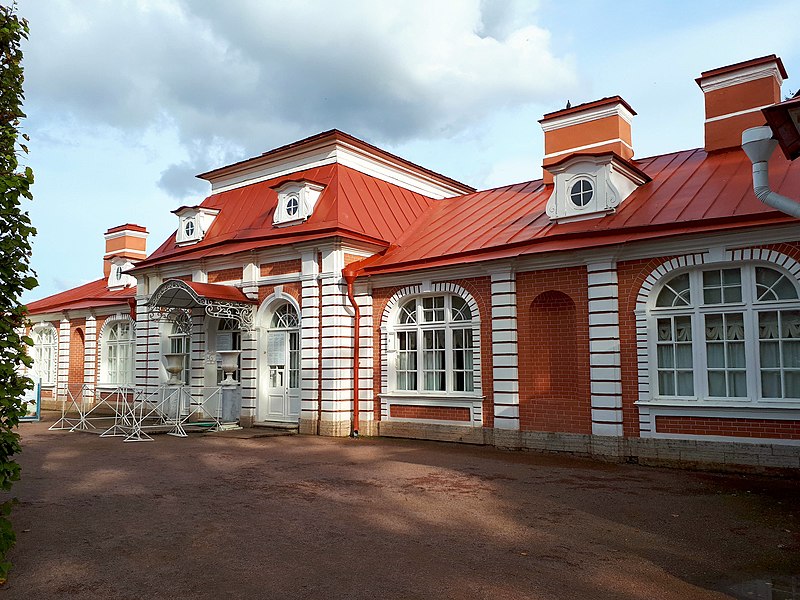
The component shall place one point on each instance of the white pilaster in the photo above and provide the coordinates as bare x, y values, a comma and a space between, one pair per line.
248, 372
309, 340
90, 355
62, 378
505, 359
604, 351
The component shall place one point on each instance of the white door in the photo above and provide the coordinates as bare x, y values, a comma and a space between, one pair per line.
280, 368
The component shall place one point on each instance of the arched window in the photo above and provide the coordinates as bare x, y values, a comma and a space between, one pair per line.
726, 333
118, 342
180, 341
284, 336
229, 337
45, 354
434, 345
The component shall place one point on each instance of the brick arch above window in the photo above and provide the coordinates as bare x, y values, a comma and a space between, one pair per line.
388, 330
435, 288
661, 274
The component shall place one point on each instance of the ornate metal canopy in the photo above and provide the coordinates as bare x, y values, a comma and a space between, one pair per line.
220, 301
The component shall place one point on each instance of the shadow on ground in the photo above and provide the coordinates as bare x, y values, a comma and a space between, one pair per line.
306, 517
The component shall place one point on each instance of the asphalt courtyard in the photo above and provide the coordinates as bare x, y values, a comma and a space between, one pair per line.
305, 517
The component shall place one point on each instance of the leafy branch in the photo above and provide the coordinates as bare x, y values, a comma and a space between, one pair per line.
15, 272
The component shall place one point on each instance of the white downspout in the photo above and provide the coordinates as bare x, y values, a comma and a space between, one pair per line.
758, 144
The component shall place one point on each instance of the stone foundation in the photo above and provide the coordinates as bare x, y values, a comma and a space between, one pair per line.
437, 432
691, 454
334, 428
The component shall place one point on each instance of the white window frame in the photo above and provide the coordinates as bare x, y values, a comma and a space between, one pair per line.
47, 373
749, 307
176, 331
106, 378
421, 326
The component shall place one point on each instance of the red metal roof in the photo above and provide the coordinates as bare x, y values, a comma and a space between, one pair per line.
90, 295
352, 205
690, 192
215, 291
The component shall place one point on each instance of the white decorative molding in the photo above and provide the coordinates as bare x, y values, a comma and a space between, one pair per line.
611, 181
586, 116
330, 151
604, 349
241, 312
387, 330
740, 76
505, 359
644, 299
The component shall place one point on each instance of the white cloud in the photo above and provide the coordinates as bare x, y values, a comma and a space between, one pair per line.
243, 76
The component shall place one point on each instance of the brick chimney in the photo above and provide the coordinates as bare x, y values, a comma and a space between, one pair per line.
734, 98
127, 242
591, 128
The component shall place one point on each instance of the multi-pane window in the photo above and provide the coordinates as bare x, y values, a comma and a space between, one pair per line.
434, 345
118, 347
727, 333
45, 354
286, 317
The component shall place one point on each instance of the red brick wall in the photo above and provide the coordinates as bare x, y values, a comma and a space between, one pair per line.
553, 325
434, 413
293, 288
183, 277
283, 267
349, 259
480, 289
753, 428
225, 275
76, 350
631, 276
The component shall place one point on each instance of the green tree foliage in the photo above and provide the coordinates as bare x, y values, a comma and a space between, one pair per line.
15, 272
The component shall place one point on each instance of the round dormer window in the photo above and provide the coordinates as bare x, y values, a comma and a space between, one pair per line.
581, 193
118, 273
292, 205
188, 228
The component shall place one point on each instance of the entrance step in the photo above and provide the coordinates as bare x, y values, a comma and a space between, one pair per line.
277, 426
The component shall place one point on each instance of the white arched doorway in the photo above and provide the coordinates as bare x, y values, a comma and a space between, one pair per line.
279, 365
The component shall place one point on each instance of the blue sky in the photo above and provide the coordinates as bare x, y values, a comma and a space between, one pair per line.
127, 100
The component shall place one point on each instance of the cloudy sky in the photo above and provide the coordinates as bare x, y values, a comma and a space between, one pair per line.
128, 99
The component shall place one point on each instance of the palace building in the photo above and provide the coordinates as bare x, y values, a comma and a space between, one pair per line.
621, 307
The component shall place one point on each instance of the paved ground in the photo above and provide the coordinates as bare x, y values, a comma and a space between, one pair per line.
305, 517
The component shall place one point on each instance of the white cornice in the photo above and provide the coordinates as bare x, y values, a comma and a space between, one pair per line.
589, 147
724, 80
330, 152
737, 113
587, 116
126, 233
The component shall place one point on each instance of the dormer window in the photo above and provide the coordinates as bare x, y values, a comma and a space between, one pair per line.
118, 278
296, 202
581, 192
193, 224
292, 205
591, 185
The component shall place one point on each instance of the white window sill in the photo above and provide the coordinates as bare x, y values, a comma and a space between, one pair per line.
722, 403
444, 398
